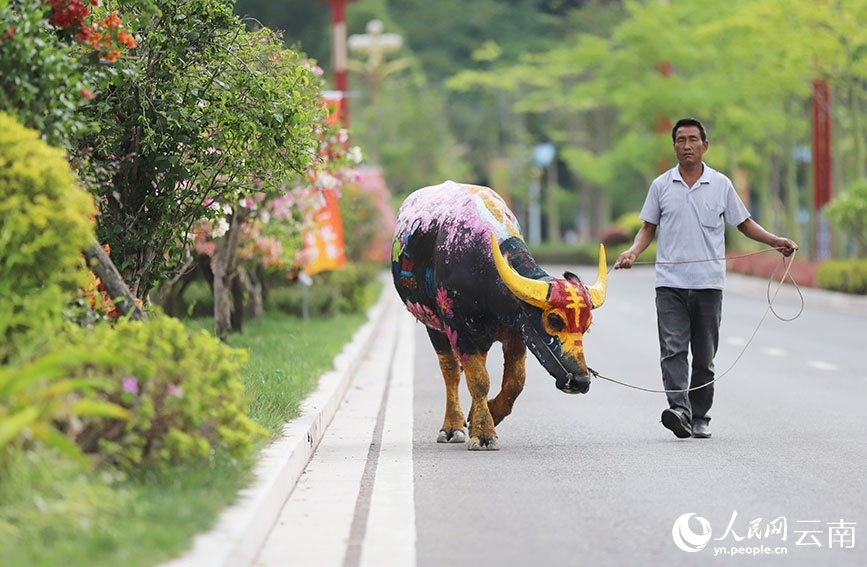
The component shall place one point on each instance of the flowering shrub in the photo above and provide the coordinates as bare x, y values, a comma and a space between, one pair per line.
47, 53
182, 391
272, 237
105, 36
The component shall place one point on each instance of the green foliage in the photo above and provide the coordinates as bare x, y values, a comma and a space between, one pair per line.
848, 213
45, 223
849, 276
203, 112
630, 222
46, 499
54, 512
37, 394
584, 254
351, 289
287, 357
40, 84
404, 130
183, 392
366, 225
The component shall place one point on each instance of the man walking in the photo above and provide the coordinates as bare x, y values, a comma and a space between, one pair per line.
686, 209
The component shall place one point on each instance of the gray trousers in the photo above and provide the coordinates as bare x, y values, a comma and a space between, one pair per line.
688, 322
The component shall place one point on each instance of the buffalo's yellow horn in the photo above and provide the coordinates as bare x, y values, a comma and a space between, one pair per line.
528, 290
598, 290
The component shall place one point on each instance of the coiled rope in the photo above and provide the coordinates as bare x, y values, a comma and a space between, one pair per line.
786, 262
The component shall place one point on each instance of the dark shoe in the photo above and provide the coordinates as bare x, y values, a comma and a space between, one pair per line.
700, 430
677, 423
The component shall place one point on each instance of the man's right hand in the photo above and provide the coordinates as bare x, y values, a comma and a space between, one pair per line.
625, 260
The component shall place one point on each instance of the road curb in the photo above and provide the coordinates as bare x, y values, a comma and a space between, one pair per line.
242, 528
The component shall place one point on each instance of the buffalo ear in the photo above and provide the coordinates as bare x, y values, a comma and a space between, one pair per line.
572, 277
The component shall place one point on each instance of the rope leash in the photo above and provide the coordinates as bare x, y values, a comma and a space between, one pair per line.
769, 309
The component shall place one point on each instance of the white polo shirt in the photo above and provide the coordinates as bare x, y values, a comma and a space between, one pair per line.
690, 227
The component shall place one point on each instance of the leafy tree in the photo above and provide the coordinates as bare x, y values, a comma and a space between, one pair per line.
744, 67
304, 25
39, 84
204, 112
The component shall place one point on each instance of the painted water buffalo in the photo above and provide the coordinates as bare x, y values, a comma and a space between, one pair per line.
461, 267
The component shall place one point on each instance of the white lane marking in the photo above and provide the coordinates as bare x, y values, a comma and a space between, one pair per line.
770, 351
822, 365
737, 341
390, 535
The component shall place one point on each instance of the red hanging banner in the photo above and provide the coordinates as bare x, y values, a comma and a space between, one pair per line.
323, 244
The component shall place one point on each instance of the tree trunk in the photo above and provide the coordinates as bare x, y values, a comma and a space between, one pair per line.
118, 291
237, 317
225, 263
253, 287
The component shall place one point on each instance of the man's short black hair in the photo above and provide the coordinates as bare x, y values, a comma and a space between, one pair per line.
689, 122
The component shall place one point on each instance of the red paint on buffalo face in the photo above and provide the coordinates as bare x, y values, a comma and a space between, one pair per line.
568, 316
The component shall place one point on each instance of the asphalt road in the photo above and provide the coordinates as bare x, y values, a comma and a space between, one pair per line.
595, 479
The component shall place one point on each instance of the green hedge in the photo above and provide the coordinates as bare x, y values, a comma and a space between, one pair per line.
46, 220
584, 254
351, 289
848, 276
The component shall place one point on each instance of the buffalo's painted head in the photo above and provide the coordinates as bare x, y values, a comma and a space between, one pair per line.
559, 316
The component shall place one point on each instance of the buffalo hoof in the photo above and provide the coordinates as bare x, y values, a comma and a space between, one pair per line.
451, 436
483, 444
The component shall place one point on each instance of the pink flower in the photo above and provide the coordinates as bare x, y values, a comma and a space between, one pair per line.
129, 385
176, 391
453, 340
424, 314
444, 302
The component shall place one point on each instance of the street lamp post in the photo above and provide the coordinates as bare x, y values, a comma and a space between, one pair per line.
543, 155
375, 44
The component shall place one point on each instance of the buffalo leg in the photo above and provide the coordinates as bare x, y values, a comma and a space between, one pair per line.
453, 423
481, 430
514, 374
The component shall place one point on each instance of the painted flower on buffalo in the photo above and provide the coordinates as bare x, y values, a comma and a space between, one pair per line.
453, 340
445, 303
424, 314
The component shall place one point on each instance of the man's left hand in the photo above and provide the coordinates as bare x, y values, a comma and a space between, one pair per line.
785, 246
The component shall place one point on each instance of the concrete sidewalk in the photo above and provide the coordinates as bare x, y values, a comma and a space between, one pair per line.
242, 528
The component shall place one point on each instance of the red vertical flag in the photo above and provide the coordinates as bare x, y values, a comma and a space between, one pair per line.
323, 244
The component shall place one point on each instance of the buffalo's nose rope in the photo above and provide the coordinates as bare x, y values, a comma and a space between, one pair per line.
770, 309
